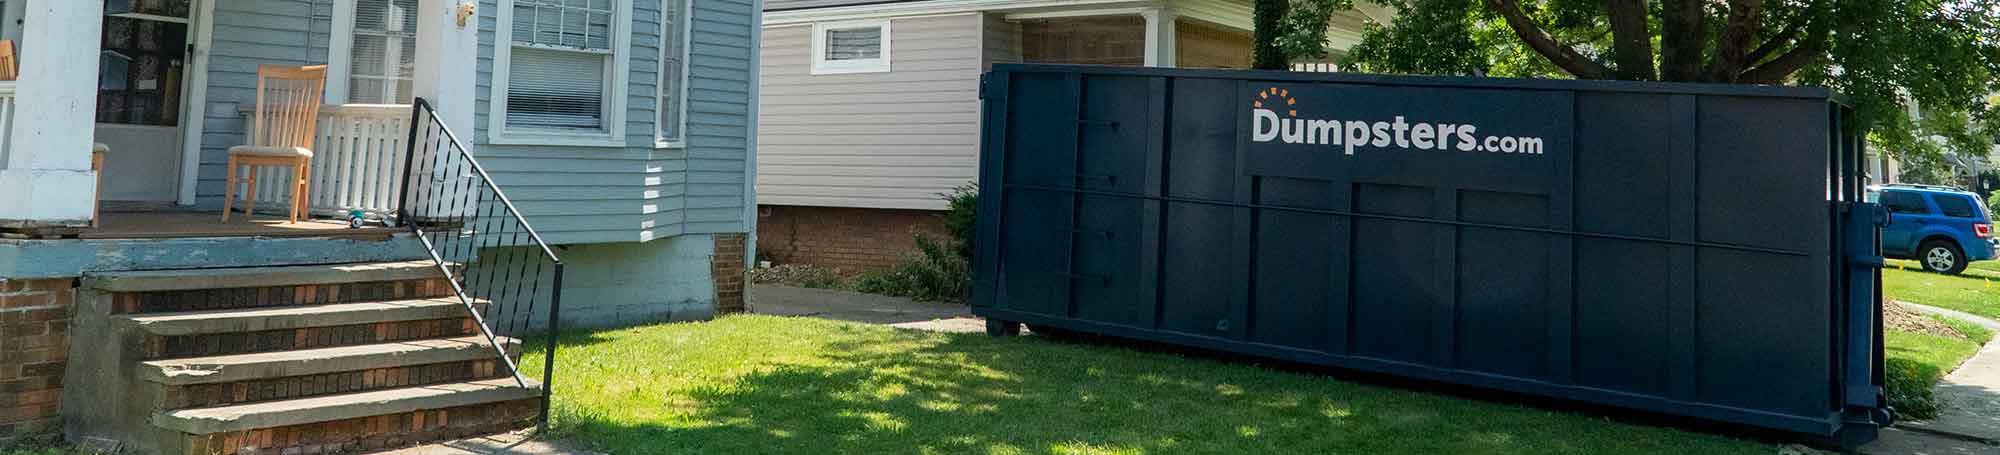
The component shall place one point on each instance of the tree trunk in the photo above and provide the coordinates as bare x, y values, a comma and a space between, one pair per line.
1563, 56
1682, 39
1631, 39
1266, 55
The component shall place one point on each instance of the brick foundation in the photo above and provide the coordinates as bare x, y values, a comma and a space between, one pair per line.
848, 239
727, 270
34, 351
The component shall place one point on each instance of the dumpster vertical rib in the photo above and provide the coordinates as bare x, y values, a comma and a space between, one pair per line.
1159, 138
1073, 84
1682, 285
988, 288
1562, 262
1237, 324
1444, 318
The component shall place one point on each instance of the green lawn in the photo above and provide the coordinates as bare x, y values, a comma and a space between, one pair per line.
1977, 291
760, 384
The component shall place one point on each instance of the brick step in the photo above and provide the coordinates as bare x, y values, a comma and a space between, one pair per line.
165, 291
293, 317
307, 362
354, 421
247, 378
251, 277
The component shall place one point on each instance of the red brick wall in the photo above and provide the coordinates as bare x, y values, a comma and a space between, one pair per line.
727, 270
34, 349
850, 239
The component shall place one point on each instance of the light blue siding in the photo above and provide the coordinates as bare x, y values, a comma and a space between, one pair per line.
638, 192
249, 33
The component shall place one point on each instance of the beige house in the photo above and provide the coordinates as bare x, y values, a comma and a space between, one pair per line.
869, 110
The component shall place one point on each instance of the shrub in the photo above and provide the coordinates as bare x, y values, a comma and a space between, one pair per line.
1993, 204
1909, 388
933, 274
939, 271
961, 221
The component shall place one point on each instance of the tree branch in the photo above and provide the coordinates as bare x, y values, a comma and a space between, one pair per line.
1734, 44
1631, 40
1561, 55
1682, 39
1776, 70
1772, 45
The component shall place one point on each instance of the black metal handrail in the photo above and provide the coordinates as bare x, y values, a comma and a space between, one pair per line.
480, 241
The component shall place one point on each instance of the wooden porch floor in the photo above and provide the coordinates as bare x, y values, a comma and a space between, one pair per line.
186, 224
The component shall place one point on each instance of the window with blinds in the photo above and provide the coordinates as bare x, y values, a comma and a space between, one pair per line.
558, 65
673, 68
851, 47
384, 58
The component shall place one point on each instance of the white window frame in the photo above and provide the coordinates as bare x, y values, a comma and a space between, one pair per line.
616, 77
340, 52
681, 99
820, 65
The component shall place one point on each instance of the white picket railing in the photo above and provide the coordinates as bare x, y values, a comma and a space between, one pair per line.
357, 162
6, 121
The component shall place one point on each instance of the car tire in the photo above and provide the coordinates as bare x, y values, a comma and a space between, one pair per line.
1941, 257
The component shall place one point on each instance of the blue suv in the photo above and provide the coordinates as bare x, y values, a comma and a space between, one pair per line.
1942, 228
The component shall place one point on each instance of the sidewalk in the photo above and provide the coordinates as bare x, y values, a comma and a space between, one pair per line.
1969, 421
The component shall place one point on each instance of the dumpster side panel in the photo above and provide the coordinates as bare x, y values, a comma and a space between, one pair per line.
1651, 246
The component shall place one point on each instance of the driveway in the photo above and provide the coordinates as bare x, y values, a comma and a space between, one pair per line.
779, 300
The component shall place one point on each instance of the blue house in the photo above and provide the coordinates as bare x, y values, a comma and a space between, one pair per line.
252, 226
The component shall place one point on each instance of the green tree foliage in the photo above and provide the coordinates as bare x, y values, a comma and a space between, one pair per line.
1944, 55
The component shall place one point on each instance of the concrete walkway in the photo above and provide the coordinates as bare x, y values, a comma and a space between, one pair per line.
517, 443
1969, 400
1969, 397
900, 312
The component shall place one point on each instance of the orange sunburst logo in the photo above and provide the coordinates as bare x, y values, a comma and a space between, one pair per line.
1278, 99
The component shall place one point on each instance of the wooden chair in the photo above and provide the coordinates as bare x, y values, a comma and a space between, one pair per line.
10, 64
281, 134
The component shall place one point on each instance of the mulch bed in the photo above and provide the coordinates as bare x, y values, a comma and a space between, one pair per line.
1897, 317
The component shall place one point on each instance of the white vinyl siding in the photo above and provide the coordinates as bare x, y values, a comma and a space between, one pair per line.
876, 140
674, 38
562, 80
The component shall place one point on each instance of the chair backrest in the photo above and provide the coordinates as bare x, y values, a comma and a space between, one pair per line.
288, 100
10, 65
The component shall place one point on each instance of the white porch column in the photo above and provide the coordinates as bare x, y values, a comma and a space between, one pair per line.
46, 177
1159, 37
447, 58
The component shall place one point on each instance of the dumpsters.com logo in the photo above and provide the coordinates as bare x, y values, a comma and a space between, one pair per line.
1276, 115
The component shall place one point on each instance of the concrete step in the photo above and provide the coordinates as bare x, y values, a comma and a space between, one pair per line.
328, 408
250, 277
294, 317
269, 365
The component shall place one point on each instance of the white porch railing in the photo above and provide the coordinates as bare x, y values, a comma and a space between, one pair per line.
357, 161
6, 121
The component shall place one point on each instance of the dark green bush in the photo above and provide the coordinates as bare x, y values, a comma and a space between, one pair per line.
1909, 388
934, 274
962, 220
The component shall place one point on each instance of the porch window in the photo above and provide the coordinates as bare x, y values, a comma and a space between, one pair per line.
562, 68
383, 61
674, 36
851, 47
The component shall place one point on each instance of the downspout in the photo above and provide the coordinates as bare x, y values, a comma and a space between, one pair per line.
750, 149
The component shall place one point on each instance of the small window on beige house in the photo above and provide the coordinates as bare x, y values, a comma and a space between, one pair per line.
1096, 40
851, 47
